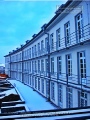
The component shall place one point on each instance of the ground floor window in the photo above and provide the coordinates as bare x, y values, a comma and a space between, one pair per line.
43, 86
69, 97
39, 84
60, 95
36, 82
52, 90
82, 98
47, 88
30, 80
82, 67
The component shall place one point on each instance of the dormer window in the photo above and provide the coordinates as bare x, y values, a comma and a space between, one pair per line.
43, 27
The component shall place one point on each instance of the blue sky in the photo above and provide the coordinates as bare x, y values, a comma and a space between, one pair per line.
20, 19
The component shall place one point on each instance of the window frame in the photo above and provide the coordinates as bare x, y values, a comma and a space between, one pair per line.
81, 27
52, 65
67, 33
69, 65
58, 37
53, 91
52, 41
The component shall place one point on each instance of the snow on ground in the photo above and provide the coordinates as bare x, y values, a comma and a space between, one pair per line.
8, 92
33, 100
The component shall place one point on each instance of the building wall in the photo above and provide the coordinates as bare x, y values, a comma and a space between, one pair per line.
69, 87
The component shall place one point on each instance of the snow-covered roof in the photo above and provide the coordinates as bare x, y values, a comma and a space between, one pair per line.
8, 92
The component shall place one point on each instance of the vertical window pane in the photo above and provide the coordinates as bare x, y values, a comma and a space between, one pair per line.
83, 99
42, 66
58, 37
82, 66
35, 82
38, 66
42, 45
59, 68
43, 86
79, 26
52, 65
46, 44
67, 33
46, 64
60, 99
52, 90
69, 65
52, 41
69, 98
39, 84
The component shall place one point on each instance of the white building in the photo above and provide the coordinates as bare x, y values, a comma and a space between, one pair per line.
56, 61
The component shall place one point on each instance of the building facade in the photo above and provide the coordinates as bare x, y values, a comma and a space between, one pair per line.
56, 61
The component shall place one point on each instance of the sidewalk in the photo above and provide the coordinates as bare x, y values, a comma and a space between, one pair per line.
33, 100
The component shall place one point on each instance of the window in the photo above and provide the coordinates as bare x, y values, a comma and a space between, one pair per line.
36, 82
20, 56
69, 65
52, 91
46, 43
27, 53
28, 66
79, 26
47, 88
42, 86
58, 37
38, 66
42, 45
35, 51
24, 66
38, 48
82, 98
32, 66
46, 64
30, 52
52, 41
30, 80
82, 67
42, 66
39, 84
69, 97
60, 99
23, 55
35, 66
59, 63
52, 65
67, 33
